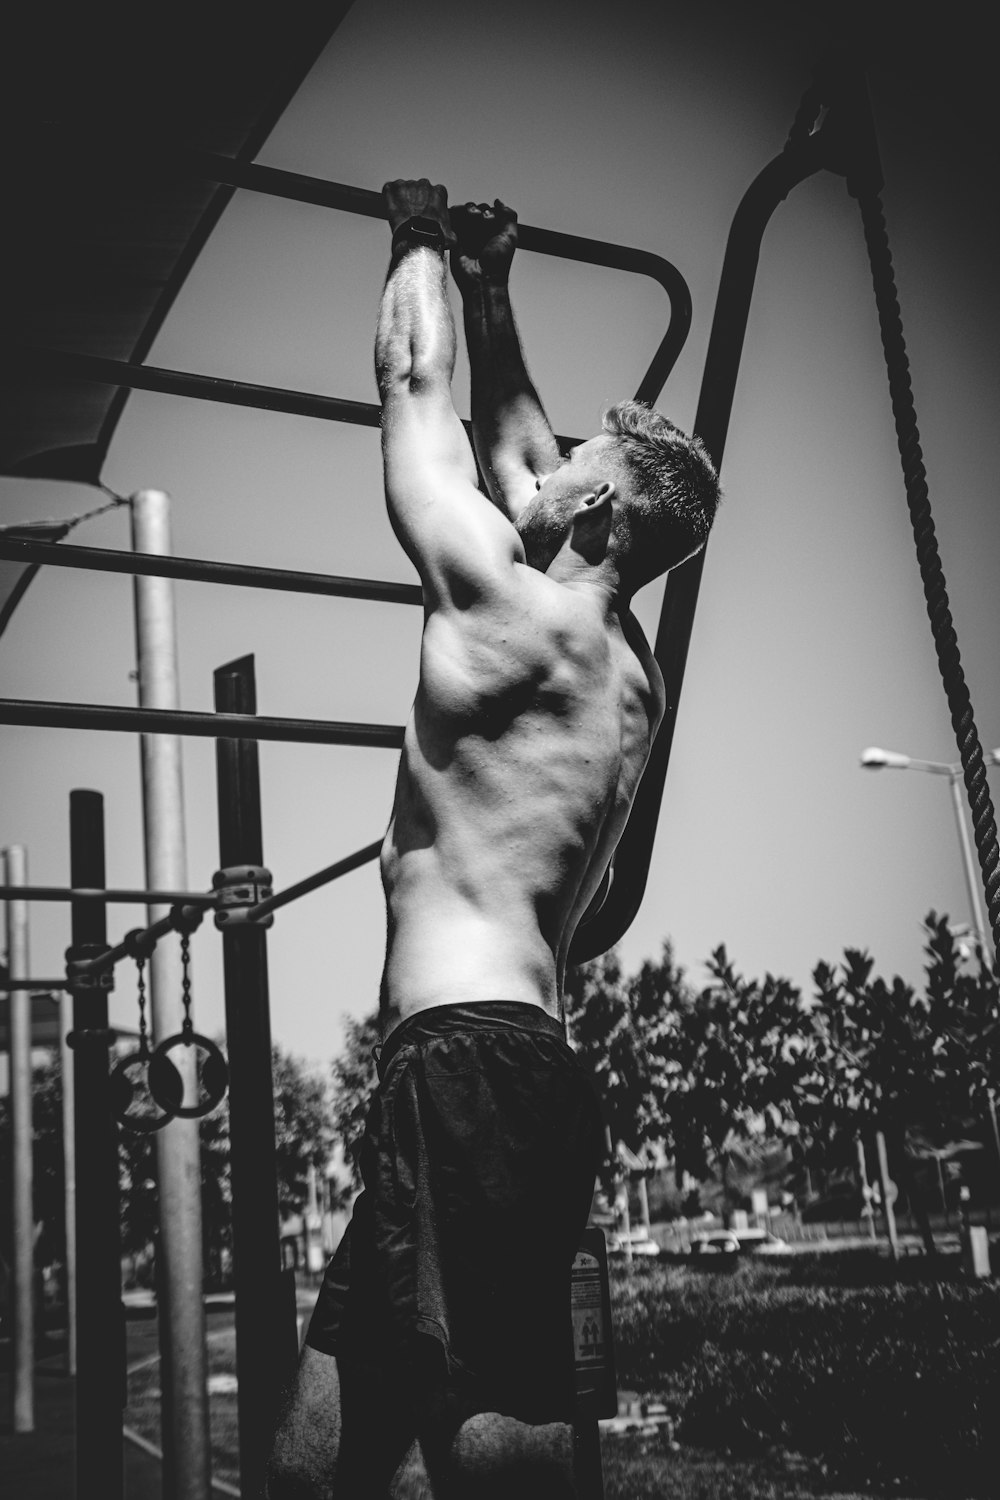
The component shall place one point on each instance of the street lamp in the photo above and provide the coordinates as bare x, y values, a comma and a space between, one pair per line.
874, 759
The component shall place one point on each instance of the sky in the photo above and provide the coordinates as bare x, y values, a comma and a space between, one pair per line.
811, 640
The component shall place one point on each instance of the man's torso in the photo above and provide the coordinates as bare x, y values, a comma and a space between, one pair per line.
530, 729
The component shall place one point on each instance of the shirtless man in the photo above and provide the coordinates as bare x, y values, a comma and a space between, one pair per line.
445, 1312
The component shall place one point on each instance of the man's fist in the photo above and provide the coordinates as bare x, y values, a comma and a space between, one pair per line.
421, 199
487, 239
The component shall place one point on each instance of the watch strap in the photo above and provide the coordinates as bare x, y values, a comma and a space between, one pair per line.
420, 230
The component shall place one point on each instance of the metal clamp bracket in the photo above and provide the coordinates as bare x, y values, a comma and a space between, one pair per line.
82, 978
105, 1036
239, 889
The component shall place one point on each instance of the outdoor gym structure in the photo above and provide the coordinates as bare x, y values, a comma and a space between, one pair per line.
833, 131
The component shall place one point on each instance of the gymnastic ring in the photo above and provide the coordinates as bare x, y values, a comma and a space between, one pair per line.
167, 1086
123, 1092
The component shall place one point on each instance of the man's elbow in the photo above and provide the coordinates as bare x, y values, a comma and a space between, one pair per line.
415, 382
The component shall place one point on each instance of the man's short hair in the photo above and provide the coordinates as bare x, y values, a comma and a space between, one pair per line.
673, 491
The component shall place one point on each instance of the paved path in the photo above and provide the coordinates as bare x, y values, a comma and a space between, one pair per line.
39, 1465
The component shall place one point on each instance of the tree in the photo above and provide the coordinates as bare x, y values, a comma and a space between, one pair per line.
624, 1033
304, 1126
354, 1080
918, 1067
304, 1135
741, 1051
49, 1205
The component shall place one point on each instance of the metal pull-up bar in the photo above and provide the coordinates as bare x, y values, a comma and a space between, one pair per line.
62, 364
65, 364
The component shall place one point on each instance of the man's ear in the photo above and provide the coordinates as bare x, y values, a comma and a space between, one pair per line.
592, 521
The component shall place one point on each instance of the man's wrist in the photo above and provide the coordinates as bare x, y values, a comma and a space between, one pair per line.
419, 229
486, 291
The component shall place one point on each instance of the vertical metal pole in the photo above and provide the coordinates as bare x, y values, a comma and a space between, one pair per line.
69, 1171
643, 1202
180, 1281
100, 1383
976, 907
886, 1183
968, 866
866, 1192
265, 1330
588, 1469
23, 1301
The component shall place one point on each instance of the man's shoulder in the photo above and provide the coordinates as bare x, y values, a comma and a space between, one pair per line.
642, 651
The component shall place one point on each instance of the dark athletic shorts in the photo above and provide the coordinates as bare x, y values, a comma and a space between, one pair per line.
478, 1160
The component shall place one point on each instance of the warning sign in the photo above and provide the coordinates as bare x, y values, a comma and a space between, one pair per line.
590, 1304
588, 1315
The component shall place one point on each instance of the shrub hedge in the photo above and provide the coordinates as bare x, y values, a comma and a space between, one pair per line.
889, 1381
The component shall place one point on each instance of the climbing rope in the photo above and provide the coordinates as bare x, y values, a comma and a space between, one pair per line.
806, 115
928, 556
836, 107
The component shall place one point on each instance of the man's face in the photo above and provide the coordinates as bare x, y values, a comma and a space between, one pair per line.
580, 471
545, 521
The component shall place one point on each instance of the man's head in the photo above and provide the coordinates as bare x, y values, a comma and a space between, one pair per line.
642, 493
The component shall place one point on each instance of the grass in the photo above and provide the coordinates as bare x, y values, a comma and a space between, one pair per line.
142, 1413
636, 1467
879, 1380
783, 1380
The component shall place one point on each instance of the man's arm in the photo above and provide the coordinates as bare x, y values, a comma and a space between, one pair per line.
455, 538
514, 442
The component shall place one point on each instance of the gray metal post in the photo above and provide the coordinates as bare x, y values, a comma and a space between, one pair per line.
23, 1217
100, 1382
972, 881
265, 1322
69, 1171
887, 1192
180, 1281
866, 1192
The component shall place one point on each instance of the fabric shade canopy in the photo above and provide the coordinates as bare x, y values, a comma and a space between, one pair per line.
105, 219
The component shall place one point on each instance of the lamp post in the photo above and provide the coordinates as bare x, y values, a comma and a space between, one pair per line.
874, 759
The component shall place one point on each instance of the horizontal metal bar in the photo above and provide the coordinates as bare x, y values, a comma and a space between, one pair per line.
25, 359
109, 560
301, 188
313, 882
72, 365
364, 201
112, 897
112, 956
48, 715
33, 984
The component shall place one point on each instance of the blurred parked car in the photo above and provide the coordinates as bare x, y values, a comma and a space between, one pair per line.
641, 1243
738, 1242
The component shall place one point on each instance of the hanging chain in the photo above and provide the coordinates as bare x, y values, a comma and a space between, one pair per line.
140, 965
187, 1025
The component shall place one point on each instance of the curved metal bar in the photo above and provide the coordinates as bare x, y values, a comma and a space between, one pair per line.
49, 715
364, 201
110, 560
732, 311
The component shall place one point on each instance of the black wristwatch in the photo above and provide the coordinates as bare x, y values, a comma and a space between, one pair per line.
419, 230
